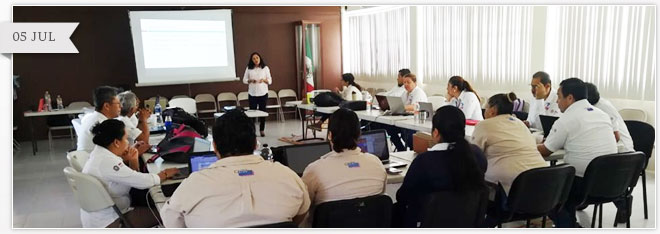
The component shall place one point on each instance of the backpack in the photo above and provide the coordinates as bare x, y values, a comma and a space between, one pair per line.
182, 117
177, 144
326, 99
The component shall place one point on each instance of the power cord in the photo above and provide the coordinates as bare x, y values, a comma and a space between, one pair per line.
146, 197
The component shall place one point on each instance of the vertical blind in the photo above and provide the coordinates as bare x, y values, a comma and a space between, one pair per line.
491, 46
610, 46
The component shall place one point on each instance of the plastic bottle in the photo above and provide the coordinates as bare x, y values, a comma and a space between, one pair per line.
168, 122
416, 112
157, 112
59, 103
267, 153
47, 102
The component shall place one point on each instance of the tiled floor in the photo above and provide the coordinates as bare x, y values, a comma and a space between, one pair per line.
42, 198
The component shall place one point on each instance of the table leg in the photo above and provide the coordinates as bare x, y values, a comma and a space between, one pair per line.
34, 142
304, 133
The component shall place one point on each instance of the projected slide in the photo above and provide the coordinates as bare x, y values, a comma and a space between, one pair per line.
183, 43
183, 47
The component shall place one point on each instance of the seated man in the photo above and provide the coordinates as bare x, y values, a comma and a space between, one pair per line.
240, 189
135, 119
107, 106
584, 132
546, 100
620, 129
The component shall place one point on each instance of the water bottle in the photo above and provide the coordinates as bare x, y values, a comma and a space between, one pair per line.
369, 99
159, 117
47, 102
416, 111
59, 103
168, 122
267, 153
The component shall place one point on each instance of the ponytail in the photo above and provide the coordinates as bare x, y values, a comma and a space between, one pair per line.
107, 132
463, 85
350, 79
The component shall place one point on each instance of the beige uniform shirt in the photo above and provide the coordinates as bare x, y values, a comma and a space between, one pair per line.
238, 191
509, 148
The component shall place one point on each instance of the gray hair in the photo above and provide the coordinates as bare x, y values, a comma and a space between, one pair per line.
128, 100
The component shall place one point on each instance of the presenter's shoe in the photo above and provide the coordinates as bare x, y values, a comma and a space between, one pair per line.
262, 133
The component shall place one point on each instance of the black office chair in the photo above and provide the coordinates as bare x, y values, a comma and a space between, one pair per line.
287, 224
535, 193
521, 115
609, 178
643, 136
366, 212
454, 209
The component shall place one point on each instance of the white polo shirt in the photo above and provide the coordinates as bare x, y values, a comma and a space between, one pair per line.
258, 73
118, 179
617, 124
415, 96
237, 191
396, 91
584, 132
546, 106
86, 124
131, 128
469, 103
347, 93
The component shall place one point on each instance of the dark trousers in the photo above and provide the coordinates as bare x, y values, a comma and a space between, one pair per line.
406, 136
259, 103
565, 218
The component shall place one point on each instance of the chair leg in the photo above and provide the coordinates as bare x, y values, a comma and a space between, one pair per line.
593, 216
600, 217
50, 139
527, 224
646, 209
499, 225
72, 141
543, 222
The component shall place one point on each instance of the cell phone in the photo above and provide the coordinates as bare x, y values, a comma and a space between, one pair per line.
393, 171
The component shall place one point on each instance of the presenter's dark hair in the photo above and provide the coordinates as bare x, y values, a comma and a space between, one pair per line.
404, 72
575, 87
233, 134
345, 128
350, 79
262, 62
593, 96
107, 132
103, 94
503, 102
450, 123
545, 78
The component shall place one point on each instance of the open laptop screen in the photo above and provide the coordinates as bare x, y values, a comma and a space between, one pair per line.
375, 142
546, 123
199, 161
297, 157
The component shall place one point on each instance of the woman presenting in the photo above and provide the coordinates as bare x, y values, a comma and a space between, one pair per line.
257, 76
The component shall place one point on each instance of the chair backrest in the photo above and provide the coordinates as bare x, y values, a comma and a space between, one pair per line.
79, 105
77, 126
377, 91
538, 191
151, 103
366, 212
525, 107
179, 96
437, 101
454, 209
88, 190
287, 224
609, 176
204, 97
187, 104
633, 114
643, 136
286, 93
204, 100
77, 159
272, 94
242, 96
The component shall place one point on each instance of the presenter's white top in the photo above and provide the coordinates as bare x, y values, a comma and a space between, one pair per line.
348, 91
258, 73
618, 125
584, 132
118, 179
546, 106
417, 95
86, 124
469, 103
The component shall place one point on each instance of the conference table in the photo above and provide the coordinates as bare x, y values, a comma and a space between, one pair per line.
32, 114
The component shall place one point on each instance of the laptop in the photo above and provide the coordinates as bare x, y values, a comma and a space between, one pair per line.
297, 157
201, 145
547, 122
375, 142
396, 106
428, 107
382, 102
196, 161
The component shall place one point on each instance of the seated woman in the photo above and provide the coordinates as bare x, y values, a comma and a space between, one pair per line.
106, 163
451, 165
346, 172
350, 88
461, 94
507, 143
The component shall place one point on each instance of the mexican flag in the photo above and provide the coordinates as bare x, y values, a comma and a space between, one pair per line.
309, 67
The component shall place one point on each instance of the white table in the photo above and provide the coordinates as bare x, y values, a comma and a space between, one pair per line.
377, 116
30, 114
314, 108
249, 113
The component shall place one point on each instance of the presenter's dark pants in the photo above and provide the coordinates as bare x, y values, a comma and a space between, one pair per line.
259, 103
